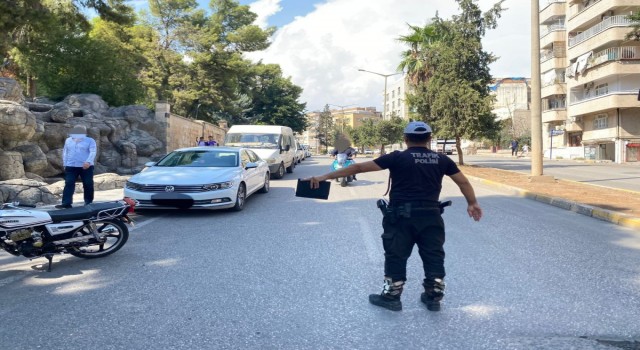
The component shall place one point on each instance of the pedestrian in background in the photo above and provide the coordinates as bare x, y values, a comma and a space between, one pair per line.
514, 147
78, 158
211, 142
200, 141
413, 215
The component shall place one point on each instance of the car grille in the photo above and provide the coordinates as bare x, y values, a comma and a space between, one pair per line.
166, 188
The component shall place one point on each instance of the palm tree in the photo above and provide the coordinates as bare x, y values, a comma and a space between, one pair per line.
414, 60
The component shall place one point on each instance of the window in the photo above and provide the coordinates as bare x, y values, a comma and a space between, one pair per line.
602, 89
600, 122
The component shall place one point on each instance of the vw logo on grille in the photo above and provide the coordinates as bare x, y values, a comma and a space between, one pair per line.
169, 189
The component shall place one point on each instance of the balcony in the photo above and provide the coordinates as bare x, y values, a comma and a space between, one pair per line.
552, 8
615, 54
552, 28
600, 100
579, 8
610, 22
554, 115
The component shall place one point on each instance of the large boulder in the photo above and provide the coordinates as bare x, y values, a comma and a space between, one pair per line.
110, 157
109, 181
11, 166
138, 117
26, 192
34, 160
146, 145
10, 90
17, 124
91, 105
61, 113
56, 167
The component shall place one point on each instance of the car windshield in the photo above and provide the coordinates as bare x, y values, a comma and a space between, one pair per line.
255, 140
213, 158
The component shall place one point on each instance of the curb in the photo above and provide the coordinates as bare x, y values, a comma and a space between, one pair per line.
579, 208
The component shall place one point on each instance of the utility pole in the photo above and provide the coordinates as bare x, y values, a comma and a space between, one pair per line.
536, 114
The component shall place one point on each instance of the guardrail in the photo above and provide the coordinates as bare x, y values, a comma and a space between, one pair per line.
609, 22
552, 28
615, 54
597, 93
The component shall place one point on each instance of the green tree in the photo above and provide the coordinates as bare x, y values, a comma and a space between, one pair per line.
420, 40
324, 128
389, 132
455, 100
275, 99
634, 34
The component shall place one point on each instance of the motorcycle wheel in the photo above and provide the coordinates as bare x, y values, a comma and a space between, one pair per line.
117, 236
343, 182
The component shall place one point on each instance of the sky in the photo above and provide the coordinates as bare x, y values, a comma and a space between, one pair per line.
321, 44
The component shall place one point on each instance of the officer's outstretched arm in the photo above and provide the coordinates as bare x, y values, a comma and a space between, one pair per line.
473, 208
353, 169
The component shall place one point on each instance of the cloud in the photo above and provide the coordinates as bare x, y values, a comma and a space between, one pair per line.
265, 9
323, 50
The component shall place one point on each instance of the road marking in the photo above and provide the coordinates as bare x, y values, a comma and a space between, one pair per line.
370, 244
145, 223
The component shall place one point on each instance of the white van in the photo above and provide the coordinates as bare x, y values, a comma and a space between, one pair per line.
273, 143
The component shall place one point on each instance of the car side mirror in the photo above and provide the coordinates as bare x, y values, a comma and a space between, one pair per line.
251, 165
149, 164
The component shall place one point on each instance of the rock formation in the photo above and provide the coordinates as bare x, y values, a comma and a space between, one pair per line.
32, 136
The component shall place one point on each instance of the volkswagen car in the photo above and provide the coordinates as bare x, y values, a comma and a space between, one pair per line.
200, 177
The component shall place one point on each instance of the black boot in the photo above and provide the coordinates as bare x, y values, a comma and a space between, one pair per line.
433, 293
390, 296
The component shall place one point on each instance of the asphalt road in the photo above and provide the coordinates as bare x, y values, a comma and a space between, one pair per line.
293, 273
622, 176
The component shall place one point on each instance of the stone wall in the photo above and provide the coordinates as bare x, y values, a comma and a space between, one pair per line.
184, 132
32, 136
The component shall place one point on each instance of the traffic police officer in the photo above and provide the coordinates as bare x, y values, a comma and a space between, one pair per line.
413, 215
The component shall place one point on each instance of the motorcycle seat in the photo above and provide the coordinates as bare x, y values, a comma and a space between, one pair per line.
81, 213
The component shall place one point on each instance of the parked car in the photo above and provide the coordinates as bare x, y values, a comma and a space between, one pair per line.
273, 143
307, 152
200, 177
300, 152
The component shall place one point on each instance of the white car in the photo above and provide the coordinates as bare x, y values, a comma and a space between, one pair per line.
200, 177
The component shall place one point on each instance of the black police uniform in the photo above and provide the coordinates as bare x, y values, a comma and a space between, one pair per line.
414, 217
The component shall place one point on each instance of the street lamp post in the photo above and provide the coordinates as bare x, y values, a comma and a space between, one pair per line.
384, 107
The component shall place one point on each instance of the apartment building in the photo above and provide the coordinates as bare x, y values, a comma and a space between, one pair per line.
354, 117
396, 100
342, 119
590, 78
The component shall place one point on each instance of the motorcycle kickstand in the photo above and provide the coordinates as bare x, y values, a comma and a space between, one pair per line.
50, 258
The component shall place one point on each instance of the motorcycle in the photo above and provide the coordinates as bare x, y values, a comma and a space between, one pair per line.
91, 231
342, 161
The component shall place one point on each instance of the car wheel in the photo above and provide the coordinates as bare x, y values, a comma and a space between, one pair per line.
280, 172
240, 198
293, 165
265, 188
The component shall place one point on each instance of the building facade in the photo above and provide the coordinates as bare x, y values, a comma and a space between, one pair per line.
396, 100
590, 77
354, 117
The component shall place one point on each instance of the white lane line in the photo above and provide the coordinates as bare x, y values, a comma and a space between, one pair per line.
370, 244
145, 223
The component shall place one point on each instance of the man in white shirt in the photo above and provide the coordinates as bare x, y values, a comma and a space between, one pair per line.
78, 158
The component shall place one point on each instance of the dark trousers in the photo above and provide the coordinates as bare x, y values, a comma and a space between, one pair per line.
401, 234
514, 151
71, 173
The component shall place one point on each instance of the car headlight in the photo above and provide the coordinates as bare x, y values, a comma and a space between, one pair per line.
218, 186
133, 186
271, 160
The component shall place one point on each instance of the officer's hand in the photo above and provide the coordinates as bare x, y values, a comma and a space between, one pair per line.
314, 181
474, 211
86, 165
